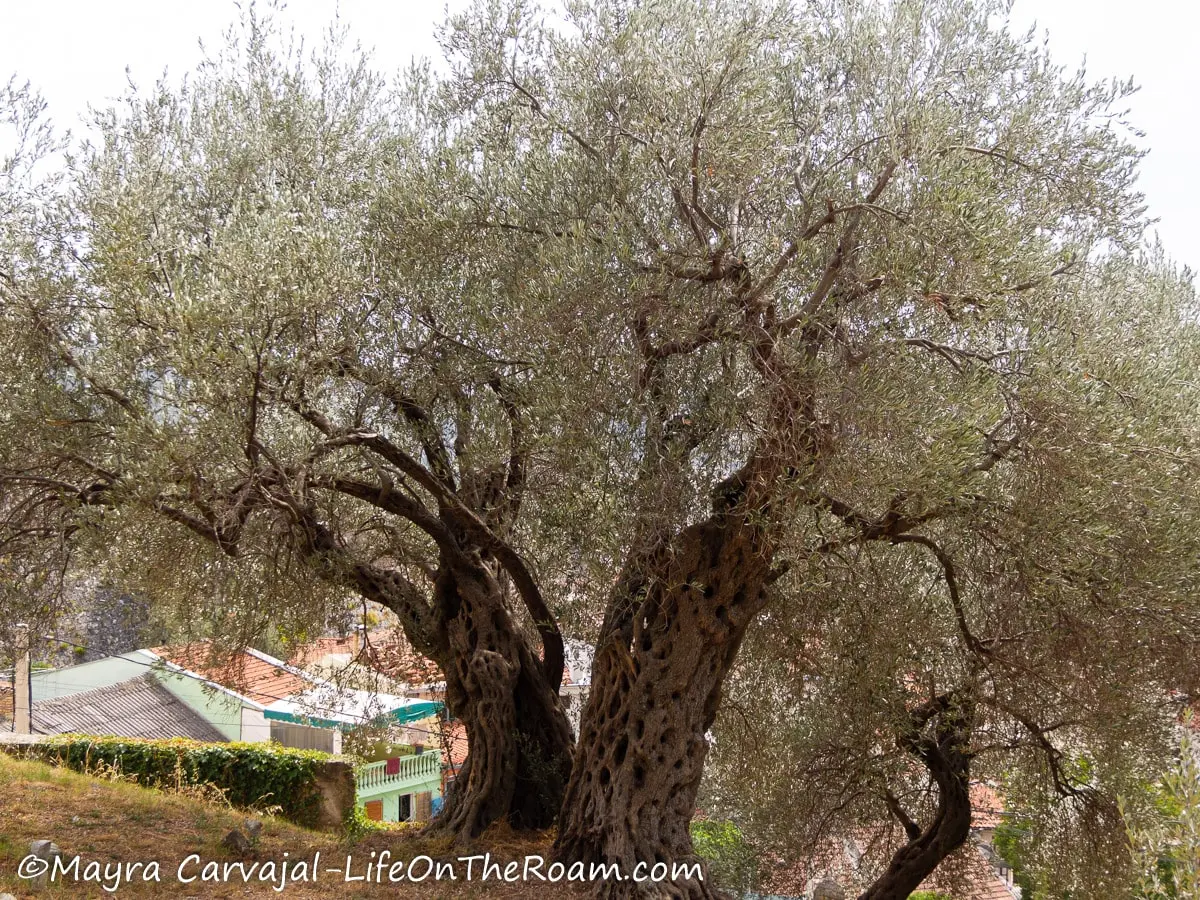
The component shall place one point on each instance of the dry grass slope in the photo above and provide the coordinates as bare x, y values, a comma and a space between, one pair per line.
114, 822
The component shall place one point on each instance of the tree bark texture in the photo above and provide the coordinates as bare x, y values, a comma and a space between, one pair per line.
672, 634
519, 738
518, 735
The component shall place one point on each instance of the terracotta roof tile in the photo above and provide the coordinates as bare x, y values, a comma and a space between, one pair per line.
987, 806
250, 673
315, 651
455, 737
396, 658
969, 877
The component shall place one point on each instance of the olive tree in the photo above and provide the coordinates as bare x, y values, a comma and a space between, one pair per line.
706, 293
251, 366
1166, 856
835, 241
1042, 638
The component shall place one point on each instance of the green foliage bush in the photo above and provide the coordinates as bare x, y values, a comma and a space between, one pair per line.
732, 862
1166, 845
1010, 841
250, 775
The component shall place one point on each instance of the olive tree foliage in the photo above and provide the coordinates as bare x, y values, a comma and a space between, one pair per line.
1041, 638
255, 361
752, 304
26, 138
835, 246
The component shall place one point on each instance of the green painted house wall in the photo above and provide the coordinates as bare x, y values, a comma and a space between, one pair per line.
219, 709
420, 774
50, 684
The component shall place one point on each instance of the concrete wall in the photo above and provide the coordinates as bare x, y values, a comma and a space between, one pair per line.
335, 781
305, 737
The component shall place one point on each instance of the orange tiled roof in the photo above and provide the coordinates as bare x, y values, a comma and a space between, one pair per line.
973, 878
987, 806
313, 651
250, 673
454, 744
396, 658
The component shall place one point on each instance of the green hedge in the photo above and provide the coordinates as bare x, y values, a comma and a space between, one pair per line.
261, 775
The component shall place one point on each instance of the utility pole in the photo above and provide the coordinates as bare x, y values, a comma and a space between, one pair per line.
23, 685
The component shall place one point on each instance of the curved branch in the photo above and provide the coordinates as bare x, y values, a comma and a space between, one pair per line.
415, 414
951, 577
334, 563
514, 485
944, 754
911, 828
383, 497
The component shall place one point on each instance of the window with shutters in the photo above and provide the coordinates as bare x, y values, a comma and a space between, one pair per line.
374, 810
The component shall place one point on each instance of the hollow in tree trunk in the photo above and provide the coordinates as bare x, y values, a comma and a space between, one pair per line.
672, 634
518, 736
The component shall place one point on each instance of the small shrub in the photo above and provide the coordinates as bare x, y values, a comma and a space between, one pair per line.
358, 826
732, 862
1166, 849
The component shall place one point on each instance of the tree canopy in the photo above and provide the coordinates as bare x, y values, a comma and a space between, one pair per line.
806, 357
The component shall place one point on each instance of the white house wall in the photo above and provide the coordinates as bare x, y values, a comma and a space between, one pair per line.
255, 726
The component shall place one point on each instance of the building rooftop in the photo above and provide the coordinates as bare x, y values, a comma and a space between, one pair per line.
291, 695
139, 707
250, 672
330, 706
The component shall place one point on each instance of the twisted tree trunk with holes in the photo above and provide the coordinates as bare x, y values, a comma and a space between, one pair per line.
519, 738
672, 633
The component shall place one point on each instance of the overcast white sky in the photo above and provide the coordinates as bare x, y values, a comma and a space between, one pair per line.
76, 52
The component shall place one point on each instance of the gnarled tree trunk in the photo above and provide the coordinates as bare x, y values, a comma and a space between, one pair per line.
519, 738
938, 737
672, 634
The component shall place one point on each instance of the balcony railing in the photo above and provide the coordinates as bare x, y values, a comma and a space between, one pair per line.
414, 768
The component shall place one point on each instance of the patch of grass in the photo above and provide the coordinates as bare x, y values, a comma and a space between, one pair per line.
9, 850
116, 821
